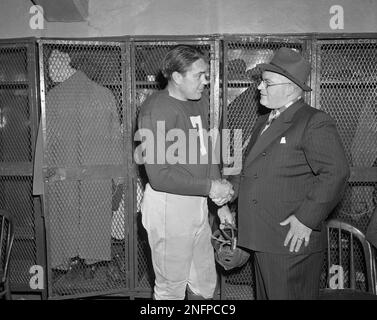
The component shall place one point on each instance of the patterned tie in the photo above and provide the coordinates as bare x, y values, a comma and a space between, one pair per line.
273, 115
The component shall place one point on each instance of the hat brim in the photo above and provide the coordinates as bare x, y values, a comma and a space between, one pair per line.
276, 69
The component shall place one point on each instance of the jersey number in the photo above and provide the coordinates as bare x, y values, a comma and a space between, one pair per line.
197, 123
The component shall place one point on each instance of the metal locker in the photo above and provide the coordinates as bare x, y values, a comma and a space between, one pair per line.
18, 128
84, 166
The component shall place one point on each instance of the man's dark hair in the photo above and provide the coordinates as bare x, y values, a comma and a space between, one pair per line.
179, 59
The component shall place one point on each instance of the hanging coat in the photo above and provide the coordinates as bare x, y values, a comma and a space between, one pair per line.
83, 131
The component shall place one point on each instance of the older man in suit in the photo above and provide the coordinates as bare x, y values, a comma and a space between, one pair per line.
294, 173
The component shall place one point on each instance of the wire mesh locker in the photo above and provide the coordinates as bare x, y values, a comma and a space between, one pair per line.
18, 114
241, 108
147, 56
84, 132
347, 90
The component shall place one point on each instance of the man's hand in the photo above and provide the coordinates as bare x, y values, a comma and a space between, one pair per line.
297, 234
226, 216
221, 191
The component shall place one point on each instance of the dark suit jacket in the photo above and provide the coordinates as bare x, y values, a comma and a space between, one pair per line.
298, 166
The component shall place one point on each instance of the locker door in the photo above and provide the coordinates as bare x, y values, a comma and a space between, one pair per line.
83, 128
18, 128
347, 90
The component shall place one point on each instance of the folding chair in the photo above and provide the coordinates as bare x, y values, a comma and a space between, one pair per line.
6, 242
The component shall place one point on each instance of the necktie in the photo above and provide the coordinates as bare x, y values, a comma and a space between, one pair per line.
273, 115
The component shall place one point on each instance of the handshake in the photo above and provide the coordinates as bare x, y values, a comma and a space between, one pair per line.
221, 191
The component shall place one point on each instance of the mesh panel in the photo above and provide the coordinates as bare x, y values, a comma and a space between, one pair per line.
239, 284
148, 79
357, 205
15, 143
86, 196
348, 92
144, 270
15, 197
16, 157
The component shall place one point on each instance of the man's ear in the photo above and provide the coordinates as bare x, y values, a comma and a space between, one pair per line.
176, 77
291, 89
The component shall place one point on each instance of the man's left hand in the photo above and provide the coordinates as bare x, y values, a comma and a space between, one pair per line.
297, 234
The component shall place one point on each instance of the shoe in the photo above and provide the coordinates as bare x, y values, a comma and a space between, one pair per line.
74, 269
90, 271
57, 274
113, 273
120, 263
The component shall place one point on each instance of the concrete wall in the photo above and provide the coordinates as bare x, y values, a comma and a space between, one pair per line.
194, 17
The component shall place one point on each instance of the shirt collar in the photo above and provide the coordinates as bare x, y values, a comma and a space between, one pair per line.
289, 104
286, 106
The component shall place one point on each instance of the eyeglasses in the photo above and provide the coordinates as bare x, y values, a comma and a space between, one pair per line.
266, 85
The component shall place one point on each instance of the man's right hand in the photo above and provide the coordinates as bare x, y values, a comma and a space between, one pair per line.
226, 216
221, 191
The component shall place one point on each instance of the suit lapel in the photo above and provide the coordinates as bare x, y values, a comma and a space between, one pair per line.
277, 128
256, 132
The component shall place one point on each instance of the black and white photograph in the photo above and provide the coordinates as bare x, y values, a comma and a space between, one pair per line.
188, 157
